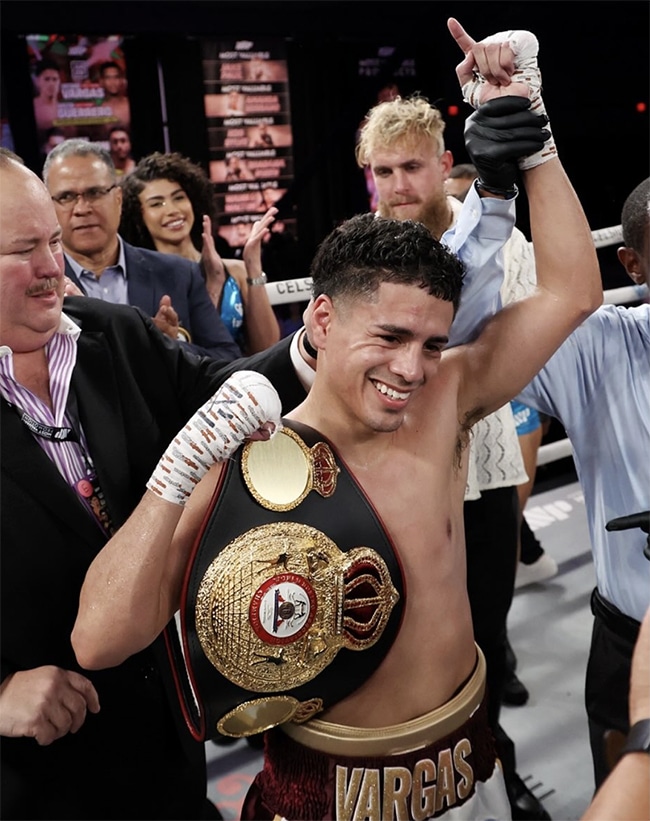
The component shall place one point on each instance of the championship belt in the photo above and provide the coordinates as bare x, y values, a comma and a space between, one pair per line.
290, 577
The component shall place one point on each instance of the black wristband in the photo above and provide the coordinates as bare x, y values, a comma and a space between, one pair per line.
506, 193
638, 739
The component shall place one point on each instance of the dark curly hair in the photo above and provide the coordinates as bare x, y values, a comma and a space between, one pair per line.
355, 258
177, 168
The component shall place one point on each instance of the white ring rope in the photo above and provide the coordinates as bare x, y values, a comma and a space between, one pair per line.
554, 451
299, 290
629, 293
607, 236
289, 290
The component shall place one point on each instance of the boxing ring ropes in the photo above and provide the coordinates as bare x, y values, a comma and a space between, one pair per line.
299, 290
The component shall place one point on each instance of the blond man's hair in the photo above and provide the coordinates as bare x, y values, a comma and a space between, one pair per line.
412, 119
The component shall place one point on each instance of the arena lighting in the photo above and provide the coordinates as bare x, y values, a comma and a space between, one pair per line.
452, 110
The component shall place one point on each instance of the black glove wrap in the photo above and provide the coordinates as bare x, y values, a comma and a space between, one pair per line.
497, 134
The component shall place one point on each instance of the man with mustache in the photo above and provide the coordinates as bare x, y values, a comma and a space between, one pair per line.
90, 396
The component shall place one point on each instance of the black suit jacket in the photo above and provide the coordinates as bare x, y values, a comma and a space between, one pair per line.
134, 390
275, 364
151, 275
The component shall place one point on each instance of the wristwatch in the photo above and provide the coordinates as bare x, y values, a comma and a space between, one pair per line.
638, 739
261, 280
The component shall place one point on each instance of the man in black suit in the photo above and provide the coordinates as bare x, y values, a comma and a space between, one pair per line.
83, 183
89, 399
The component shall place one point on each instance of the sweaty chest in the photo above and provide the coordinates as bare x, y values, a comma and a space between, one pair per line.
418, 497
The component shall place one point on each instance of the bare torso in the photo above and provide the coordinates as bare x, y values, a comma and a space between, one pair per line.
417, 486
415, 477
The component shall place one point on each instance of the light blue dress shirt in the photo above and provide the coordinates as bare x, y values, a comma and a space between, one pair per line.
111, 286
482, 227
598, 385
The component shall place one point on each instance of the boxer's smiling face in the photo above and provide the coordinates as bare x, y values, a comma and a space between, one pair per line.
379, 352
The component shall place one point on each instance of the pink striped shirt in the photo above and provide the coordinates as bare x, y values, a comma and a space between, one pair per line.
61, 353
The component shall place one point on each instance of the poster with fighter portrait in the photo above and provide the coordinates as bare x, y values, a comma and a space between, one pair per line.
246, 99
80, 87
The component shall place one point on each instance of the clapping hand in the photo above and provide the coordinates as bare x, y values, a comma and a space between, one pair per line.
211, 263
166, 318
253, 247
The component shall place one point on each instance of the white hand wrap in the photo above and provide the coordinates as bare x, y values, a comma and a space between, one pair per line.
525, 48
244, 402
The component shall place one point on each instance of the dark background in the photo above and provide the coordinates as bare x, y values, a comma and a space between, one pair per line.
593, 55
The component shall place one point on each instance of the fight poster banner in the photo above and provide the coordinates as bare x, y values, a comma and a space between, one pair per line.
80, 87
249, 131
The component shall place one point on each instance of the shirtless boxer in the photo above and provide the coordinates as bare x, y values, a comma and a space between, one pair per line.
412, 739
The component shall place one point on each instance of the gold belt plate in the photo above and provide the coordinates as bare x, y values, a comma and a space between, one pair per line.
278, 603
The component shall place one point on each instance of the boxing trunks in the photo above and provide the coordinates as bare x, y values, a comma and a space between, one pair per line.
441, 765
293, 593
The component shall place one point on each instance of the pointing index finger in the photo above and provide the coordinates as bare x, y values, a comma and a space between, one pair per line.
465, 42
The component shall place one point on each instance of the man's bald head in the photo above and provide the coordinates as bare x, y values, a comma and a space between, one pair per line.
31, 259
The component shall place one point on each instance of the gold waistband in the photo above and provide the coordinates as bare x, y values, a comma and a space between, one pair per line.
339, 739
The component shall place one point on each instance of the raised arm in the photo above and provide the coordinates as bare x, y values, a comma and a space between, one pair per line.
507, 131
211, 263
260, 322
132, 588
209, 335
517, 342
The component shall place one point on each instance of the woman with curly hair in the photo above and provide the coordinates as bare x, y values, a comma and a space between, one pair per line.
162, 200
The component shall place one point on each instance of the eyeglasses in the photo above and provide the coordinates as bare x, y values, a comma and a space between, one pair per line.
68, 199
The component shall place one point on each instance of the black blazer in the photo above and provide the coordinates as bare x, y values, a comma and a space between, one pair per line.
275, 364
151, 275
134, 389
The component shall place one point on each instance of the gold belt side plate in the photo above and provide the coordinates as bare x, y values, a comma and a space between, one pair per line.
280, 472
